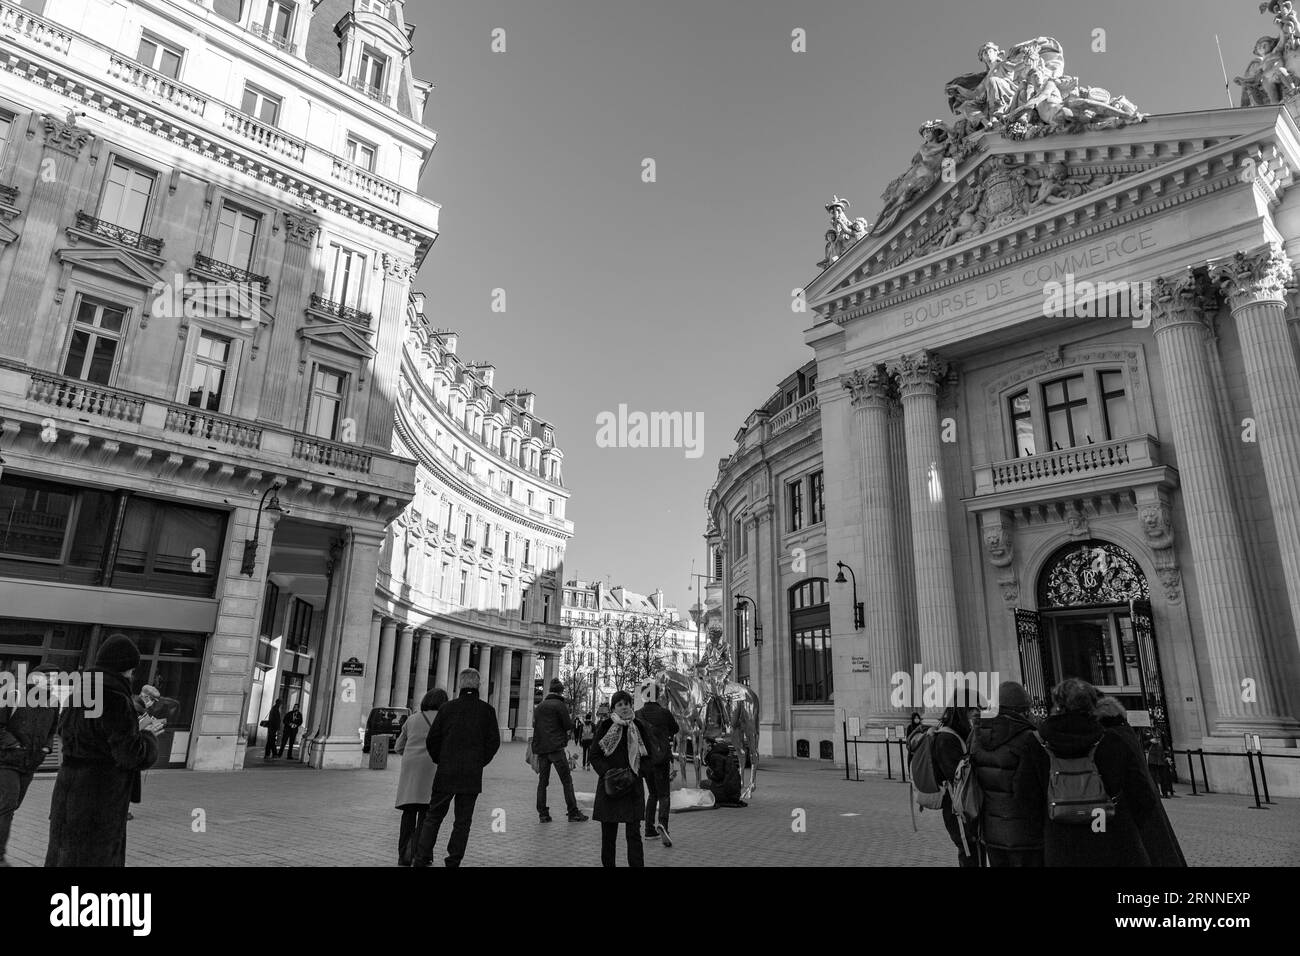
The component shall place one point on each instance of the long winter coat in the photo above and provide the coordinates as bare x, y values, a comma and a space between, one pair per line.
1158, 835
415, 784
630, 807
1011, 767
92, 794
462, 741
1125, 777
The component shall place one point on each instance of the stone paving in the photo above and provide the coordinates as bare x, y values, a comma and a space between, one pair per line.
286, 814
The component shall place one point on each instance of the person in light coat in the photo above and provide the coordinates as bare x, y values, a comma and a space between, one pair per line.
415, 785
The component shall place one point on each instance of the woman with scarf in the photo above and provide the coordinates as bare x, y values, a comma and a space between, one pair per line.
620, 745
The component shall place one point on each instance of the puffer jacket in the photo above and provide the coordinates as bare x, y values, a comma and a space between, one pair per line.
1011, 767
551, 725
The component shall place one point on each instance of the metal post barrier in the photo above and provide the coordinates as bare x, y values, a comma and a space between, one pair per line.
1250, 762
845, 726
1205, 777
902, 760
1191, 772
1263, 778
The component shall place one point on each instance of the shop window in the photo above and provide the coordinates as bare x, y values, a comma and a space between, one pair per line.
53, 532
157, 548
298, 637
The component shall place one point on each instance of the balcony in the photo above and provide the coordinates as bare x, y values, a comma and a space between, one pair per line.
84, 398
468, 543
224, 270
331, 454
210, 426
157, 85
34, 30
792, 415
363, 180
339, 310
265, 136
119, 234
277, 41
1108, 466
449, 535
374, 92
8, 195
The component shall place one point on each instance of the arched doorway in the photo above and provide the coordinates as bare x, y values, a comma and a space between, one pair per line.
1094, 622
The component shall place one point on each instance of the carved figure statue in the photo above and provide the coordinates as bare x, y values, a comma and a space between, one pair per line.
1055, 184
936, 142
1266, 79
842, 234
982, 99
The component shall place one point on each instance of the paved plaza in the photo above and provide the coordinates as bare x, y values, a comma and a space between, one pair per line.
286, 814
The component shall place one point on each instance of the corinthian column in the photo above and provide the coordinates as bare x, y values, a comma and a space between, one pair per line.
919, 376
1255, 285
1235, 643
293, 288
872, 393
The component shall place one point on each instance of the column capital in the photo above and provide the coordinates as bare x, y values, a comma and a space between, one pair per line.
395, 267
1187, 298
873, 387
1264, 274
300, 229
921, 373
65, 137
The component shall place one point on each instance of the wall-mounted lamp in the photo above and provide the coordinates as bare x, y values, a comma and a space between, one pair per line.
859, 617
758, 625
249, 564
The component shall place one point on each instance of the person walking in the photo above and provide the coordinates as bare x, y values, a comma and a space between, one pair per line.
1011, 767
462, 741
620, 748
1158, 768
272, 725
26, 738
1073, 731
948, 751
664, 726
586, 735
292, 721
551, 728
415, 784
1158, 835
104, 742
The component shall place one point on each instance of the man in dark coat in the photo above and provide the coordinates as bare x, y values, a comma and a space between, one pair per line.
272, 723
292, 721
1073, 731
664, 726
104, 743
26, 737
462, 741
1011, 767
551, 728
948, 751
724, 774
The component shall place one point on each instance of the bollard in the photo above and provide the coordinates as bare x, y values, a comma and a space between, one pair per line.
889, 763
1262, 778
1205, 778
845, 725
379, 752
1191, 772
1253, 784
902, 760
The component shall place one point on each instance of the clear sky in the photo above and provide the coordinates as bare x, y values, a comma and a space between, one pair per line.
675, 295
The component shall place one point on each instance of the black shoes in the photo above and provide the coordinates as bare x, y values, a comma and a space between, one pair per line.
663, 834
577, 816
544, 818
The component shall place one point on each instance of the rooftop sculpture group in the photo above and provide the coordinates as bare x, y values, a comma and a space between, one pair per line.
1273, 74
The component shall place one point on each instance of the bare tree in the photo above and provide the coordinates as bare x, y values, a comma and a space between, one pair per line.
632, 649
577, 690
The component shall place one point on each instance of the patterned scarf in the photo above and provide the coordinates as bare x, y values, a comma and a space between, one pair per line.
635, 748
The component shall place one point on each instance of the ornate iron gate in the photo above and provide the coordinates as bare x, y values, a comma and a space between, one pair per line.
1035, 662
1153, 684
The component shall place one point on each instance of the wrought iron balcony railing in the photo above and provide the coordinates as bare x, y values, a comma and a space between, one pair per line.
344, 312
374, 92
277, 41
119, 234
231, 273
8, 195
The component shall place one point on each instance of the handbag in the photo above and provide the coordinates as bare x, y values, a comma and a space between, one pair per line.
619, 781
530, 758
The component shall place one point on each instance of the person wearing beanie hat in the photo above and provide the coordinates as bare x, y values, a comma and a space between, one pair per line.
959, 717
105, 744
26, 738
1011, 768
552, 727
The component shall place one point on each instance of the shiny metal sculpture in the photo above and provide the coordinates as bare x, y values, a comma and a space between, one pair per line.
707, 704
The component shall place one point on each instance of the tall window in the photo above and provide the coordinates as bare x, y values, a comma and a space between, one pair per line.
326, 407
742, 628
464, 588
370, 74
810, 642
487, 536
1066, 406
208, 375
1115, 406
816, 499
236, 233
158, 54
550, 506
505, 545
546, 608
739, 541
505, 597
794, 505
261, 105
361, 153
299, 634
346, 269
523, 605
1022, 426
96, 335
444, 581
126, 196
469, 528
277, 25
6, 128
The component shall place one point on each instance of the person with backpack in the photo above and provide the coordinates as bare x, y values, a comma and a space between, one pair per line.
949, 748
586, 734
1098, 791
663, 728
1010, 767
723, 774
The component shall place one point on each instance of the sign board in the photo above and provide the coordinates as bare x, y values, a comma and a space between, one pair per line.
859, 665
855, 726
1139, 718
889, 733
901, 731
353, 668
1252, 743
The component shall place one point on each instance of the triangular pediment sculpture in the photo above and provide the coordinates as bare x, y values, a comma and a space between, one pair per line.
112, 261
341, 336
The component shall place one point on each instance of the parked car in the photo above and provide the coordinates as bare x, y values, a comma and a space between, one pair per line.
384, 721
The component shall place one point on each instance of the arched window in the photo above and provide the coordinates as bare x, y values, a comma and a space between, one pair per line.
810, 642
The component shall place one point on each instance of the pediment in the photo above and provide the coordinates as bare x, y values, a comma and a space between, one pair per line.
7, 235
1013, 194
339, 335
112, 261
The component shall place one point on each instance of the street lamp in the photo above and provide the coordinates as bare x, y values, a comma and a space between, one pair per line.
758, 625
858, 615
250, 544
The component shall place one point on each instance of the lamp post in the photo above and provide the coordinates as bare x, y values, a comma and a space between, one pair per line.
249, 564
758, 625
859, 617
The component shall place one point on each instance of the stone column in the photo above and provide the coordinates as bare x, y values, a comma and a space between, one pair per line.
485, 672
42, 222
384, 672
296, 281
402, 670
388, 350
873, 392
524, 723
422, 646
462, 662
444, 665
505, 659
548, 671
1256, 285
344, 712
936, 600
372, 654
1235, 643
